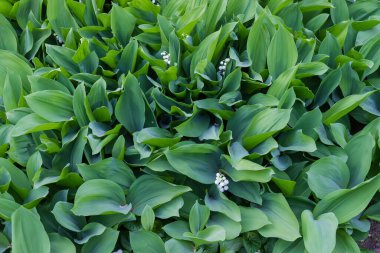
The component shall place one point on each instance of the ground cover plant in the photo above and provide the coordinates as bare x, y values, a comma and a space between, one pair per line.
188, 125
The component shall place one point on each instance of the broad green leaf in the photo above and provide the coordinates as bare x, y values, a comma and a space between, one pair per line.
7, 208
345, 243
340, 11
265, 124
282, 53
317, 230
66, 218
283, 222
111, 169
296, 141
198, 218
28, 233
146, 242
100, 197
147, 218
63, 57
246, 170
34, 123
39, 83
130, 108
59, 16
205, 51
20, 182
281, 84
60, 244
210, 234
344, 106
234, 228
258, 41
360, 152
252, 219
12, 63
174, 245
197, 161
157, 137
81, 106
327, 86
12, 92
327, 175
152, 191
102, 243
217, 202
348, 203
122, 24
52, 105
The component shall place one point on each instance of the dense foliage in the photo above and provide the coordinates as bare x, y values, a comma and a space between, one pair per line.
188, 125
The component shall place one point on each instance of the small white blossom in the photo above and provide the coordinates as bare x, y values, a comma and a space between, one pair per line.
221, 182
222, 66
166, 57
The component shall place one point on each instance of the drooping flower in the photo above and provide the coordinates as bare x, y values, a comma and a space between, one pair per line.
221, 182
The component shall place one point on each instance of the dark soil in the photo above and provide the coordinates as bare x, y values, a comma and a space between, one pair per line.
373, 240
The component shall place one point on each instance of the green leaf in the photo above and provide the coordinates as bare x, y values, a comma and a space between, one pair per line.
122, 24
12, 63
28, 233
296, 141
258, 41
317, 230
174, 245
39, 83
59, 16
265, 124
147, 218
234, 228
111, 169
12, 92
100, 197
152, 191
157, 137
348, 203
327, 175
197, 161
283, 222
211, 234
281, 84
146, 242
63, 57
359, 151
327, 86
246, 170
205, 51
282, 52
7, 208
61, 244
199, 215
102, 243
52, 105
252, 219
130, 108
34, 123
343, 107
345, 243
66, 218
340, 11
217, 202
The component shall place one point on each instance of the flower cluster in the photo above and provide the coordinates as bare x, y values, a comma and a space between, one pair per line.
223, 66
166, 57
58, 38
222, 182
155, 2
